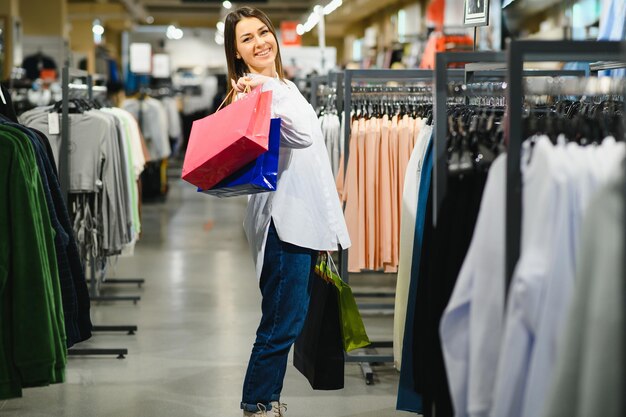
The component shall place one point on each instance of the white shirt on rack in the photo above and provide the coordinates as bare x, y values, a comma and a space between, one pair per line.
305, 206
545, 198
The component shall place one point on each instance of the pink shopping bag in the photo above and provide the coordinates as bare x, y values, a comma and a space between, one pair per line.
228, 139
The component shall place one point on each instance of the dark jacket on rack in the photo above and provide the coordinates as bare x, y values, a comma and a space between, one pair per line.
76, 303
32, 332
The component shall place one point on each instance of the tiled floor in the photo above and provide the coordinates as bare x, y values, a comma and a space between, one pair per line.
199, 309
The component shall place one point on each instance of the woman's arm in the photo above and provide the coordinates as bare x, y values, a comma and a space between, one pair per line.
295, 112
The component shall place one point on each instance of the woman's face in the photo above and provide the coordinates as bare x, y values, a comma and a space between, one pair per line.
256, 45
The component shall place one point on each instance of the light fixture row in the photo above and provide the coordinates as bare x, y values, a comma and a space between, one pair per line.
315, 16
174, 33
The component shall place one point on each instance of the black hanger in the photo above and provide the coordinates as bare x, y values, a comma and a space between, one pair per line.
73, 107
6, 105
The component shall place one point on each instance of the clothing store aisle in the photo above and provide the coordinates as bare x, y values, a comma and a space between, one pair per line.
199, 310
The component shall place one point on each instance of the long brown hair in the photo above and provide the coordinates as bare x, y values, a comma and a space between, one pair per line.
237, 68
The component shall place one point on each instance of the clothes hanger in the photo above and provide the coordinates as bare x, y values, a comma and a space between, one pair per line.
6, 105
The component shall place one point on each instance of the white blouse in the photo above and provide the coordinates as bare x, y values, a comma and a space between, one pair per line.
305, 206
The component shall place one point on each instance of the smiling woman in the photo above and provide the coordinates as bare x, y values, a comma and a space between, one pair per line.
251, 46
285, 228
257, 46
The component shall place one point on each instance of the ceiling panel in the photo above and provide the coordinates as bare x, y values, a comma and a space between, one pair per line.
210, 9
205, 13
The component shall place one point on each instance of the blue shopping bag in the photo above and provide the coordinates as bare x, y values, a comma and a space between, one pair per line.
258, 176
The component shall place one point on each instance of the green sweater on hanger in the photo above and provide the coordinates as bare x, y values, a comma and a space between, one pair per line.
32, 333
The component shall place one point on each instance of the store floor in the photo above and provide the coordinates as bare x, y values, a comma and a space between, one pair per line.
197, 316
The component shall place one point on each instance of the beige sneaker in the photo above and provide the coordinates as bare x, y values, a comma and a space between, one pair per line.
279, 409
262, 412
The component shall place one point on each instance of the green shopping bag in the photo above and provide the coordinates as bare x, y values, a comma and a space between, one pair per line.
352, 328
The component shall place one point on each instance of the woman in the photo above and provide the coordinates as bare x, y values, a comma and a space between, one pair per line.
288, 227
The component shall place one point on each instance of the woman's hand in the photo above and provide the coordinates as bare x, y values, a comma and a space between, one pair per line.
240, 85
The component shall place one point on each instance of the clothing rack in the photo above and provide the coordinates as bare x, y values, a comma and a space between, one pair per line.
479, 65
442, 60
373, 75
369, 75
518, 53
481, 70
64, 176
90, 88
329, 79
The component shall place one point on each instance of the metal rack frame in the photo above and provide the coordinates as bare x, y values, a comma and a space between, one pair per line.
518, 53
64, 177
499, 70
478, 65
440, 160
380, 75
329, 79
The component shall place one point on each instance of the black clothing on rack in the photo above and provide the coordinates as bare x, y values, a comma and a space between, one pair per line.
447, 244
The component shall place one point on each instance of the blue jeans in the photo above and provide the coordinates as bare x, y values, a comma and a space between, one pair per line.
284, 286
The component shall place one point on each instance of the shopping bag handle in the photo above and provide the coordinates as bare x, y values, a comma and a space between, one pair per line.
247, 90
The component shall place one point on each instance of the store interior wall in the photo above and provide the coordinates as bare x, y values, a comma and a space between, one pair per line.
197, 48
45, 28
54, 26
9, 21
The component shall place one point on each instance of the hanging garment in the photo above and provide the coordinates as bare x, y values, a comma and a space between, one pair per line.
76, 304
351, 198
451, 238
544, 276
331, 130
396, 196
153, 120
589, 370
33, 346
407, 237
471, 326
378, 159
384, 197
103, 160
370, 212
409, 393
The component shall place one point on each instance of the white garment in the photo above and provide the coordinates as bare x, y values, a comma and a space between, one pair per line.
589, 378
153, 125
139, 161
544, 204
471, 326
136, 162
175, 130
305, 206
408, 214
330, 128
555, 182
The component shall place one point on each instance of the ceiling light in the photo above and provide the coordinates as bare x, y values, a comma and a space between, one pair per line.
220, 26
227, 4
332, 6
149, 20
174, 33
314, 17
97, 28
300, 29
